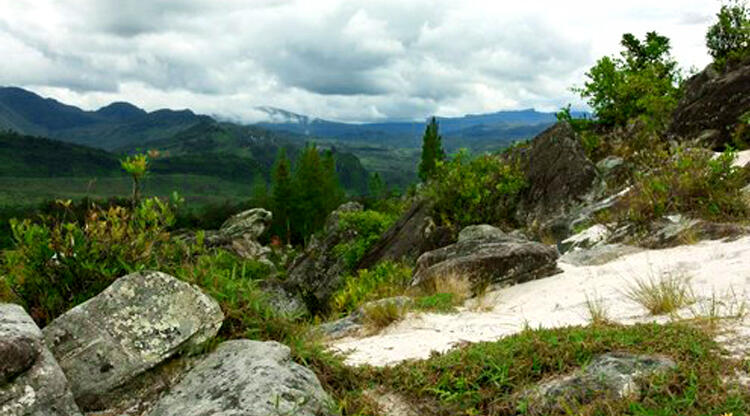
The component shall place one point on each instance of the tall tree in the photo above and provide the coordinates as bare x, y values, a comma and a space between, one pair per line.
432, 150
728, 40
332, 192
309, 212
282, 194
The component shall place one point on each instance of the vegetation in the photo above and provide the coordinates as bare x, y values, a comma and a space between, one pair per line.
665, 294
136, 166
481, 190
432, 151
641, 83
367, 226
385, 280
728, 40
688, 181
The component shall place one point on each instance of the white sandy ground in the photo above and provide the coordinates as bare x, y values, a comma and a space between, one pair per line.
714, 267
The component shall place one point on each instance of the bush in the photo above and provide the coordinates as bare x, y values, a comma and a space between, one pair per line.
56, 264
467, 191
387, 279
368, 226
689, 181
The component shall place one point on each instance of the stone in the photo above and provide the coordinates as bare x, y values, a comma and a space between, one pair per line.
353, 324
598, 255
32, 382
587, 238
135, 324
249, 378
318, 272
558, 173
482, 232
712, 105
675, 230
611, 375
499, 260
250, 224
413, 234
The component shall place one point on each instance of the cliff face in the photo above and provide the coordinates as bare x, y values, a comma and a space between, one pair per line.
712, 106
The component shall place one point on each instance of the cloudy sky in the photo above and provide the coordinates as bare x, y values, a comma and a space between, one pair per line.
353, 60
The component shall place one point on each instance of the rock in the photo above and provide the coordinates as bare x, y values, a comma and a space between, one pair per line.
598, 255
352, 324
250, 224
611, 375
613, 169
413, 234
482, 232
712, 106
248, 378
558, 173
32, 382
675, 230
587, 238
318, 272
138, 322
488, 260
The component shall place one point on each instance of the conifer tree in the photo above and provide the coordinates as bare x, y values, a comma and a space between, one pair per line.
432, 150
309, 212
282, 194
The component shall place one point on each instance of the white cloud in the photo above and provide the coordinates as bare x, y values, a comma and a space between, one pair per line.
350, 60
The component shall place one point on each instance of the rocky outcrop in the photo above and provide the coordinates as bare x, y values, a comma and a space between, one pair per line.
485, 255
239, 234
31, 381
137, 323
587, 238
318, 272
413, 234
612, 375
558, 174
598, 254
712, 106
248, 378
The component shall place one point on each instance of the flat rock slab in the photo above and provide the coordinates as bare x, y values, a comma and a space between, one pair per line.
33, 383
138, 322
248, 378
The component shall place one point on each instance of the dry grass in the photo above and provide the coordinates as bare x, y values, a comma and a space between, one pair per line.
727, 305
665, 294
597, 311
380, 315
454, 283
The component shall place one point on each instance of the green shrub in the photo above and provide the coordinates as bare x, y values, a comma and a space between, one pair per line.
385, 280
438, 302
369, 226
485, 189
688, 181
728, 40
55, 264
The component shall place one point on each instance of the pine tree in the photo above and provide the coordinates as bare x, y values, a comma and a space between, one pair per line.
309, 212
432, 150
282, 195
332, 192
376, 187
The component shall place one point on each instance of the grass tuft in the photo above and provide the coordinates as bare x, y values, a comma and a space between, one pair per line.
663, 295
597, 311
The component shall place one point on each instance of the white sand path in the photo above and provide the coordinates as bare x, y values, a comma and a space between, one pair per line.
714, 268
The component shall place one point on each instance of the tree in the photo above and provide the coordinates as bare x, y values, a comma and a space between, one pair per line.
137, 167
309, 212
332, 192
643, 81
728, 40
282, 194
432, 150
376, 186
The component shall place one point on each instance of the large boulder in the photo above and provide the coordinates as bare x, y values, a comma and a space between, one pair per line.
413, 234
712, 106
239, 234
486, 256
137, 323
318, 272
611, 375
31, 381
558, 173
249, 378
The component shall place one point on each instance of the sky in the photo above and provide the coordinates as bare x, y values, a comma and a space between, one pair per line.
345, 60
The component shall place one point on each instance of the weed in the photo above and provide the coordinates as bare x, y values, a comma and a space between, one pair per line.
386, 279
662, 295
379, 315
597, 310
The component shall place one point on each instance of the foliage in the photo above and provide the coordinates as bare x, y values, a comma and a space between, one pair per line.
487, 378
665, 294
381, 314
367, 227
282, 196
728, 40
687, 181
385, 280
56, 263
137, 167
437, 302
432, 151
642, 82
485, 189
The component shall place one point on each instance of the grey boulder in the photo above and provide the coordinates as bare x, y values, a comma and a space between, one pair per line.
485, 256
611, 375
248, 378
138, 322
32, 382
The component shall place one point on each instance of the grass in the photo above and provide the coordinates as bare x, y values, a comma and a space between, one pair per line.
486, 378
382, 314
597, 310
453, 283
662, 295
